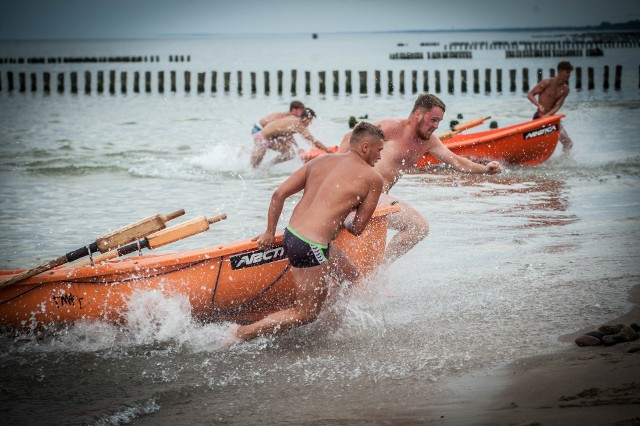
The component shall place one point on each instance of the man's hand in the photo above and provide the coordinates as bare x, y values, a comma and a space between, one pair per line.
492, 168
266, 240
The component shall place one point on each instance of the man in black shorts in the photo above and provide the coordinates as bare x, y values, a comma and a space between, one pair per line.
334, 186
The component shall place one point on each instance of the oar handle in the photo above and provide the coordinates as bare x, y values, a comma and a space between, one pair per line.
159, 239
469, 124
173, 215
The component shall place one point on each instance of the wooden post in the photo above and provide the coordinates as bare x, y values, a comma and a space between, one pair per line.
123, 82
254, 88
294, 82
279, 82
512, 80
525, 80
476, 81
160, 81
499, 80
22, 78
487, 80
147, 81
437, 81
463, 81
414, 82
605, 83
60, 82
87, 82
112, 82
390, 81
214, 81
74, 82
336, 82
450, 81
401, 78
239, 74
322, 86
227, 81
267, 85
618, 78
425, 81
10, 81
187, 81
46, 81
347, 83
590, 84
377, 82
578, 78
201, 82
172, 77
34, 85
136, 82
307, 82
552, 72
100, 88
363, 81
539, 75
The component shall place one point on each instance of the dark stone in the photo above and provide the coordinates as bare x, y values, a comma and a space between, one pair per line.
596, 334
612, 339
634, 350
635, 327
610, 329
586, 340
628, 334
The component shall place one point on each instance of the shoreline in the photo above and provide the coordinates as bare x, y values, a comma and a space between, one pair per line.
597, 385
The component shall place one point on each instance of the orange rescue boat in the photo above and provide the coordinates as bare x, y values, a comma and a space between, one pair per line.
233, 282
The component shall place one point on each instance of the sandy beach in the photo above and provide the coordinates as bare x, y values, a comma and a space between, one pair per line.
598, 385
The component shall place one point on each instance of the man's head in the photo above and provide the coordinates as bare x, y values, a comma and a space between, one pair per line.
307, 115
296, 108
426, 115
367, 140
564, 70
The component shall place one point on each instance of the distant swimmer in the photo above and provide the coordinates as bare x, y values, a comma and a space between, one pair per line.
295, 109
333, 186
551, 94
278, 136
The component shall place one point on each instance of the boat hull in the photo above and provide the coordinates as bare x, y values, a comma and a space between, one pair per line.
527, 144
234, 282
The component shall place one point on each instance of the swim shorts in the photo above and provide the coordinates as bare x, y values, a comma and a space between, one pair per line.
537, 115
303, 253
256, 128
260, 140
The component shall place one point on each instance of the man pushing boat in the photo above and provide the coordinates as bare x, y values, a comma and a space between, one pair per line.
334, 186
408, 140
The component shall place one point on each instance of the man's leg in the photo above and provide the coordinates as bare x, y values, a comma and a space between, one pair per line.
565, 140
311, 291
257, 155
411, 226
285, 148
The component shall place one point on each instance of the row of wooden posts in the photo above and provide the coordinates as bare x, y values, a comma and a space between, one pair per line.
322, 81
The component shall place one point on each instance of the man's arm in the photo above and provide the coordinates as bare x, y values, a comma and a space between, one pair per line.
461, 164
367, 206
308, 136
537, 89
344, 145
295, 183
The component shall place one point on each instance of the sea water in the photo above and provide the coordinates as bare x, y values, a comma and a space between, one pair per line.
512, 261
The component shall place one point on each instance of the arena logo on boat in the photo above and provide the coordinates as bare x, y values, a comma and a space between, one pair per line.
257, 257
542, 131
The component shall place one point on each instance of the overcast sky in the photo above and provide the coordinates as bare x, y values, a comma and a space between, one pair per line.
35, 19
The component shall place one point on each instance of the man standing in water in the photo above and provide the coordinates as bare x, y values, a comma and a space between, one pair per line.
278, 136
551, 94
408, 140
295, 109
334, 185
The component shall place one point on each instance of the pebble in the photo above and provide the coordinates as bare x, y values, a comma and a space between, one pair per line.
586, 340
609, 335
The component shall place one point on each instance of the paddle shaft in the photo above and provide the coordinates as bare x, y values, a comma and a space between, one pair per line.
462, 126
104, 243
160, 238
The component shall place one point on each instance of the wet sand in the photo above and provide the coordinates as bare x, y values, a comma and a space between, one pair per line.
597, 385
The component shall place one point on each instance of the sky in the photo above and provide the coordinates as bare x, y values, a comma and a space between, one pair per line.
48, 19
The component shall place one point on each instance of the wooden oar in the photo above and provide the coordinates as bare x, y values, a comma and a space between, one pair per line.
462, 126
159, 239
106, 242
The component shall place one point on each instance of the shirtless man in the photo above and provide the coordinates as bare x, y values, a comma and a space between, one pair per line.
334, 185
295, 109
278, 135
551, 94
407, 140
